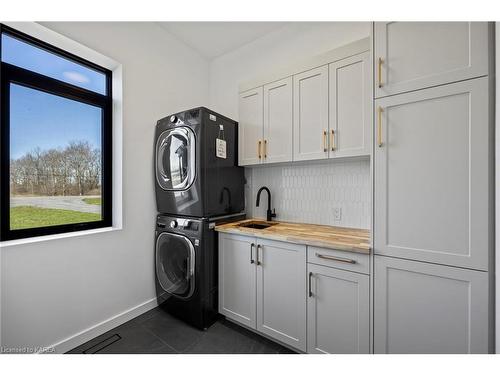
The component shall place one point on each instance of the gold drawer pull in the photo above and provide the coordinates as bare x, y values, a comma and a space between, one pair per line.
333, 140
325, 147
258, 149
337, 259
379, 127
380, 62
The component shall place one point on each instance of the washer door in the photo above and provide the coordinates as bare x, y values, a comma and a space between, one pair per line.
175, 159
175, 264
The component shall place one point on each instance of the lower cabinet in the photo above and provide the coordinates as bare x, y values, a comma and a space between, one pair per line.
429, 308
237, 278
262, 284
338, 317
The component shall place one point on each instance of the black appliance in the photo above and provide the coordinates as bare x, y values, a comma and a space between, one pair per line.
186, 265
196, 165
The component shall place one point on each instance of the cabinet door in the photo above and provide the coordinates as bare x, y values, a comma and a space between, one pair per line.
416, 55
428, 308
278, 126
338, 319
350, 102
432, 175
281, 292
237, 278
310, 114
250, 127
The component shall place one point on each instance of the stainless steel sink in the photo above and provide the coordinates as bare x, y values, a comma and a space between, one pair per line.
257, 224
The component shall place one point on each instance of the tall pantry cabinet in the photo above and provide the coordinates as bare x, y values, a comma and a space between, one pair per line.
433, 156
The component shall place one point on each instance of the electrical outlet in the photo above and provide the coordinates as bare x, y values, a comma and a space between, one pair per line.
337, 213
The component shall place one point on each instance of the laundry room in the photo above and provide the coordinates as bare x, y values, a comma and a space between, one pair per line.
248, 186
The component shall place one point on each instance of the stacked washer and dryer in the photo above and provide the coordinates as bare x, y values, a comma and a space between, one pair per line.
198, 184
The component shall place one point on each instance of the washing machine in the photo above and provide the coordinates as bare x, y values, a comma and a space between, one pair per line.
186, 265
196, 165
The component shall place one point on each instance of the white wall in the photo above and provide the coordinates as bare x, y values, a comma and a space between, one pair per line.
56, 289
291, 44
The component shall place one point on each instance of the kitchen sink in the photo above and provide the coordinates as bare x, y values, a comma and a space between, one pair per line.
257, 224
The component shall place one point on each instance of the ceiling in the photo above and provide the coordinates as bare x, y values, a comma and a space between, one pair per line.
213, 39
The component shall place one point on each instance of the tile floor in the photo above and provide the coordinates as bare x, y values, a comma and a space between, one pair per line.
158, 332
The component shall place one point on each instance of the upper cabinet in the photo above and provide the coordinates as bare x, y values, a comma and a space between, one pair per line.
321, 110
277, 142
350, 103
413, 55
250, 127
310, 120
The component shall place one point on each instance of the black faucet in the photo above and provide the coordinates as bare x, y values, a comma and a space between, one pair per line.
270, 214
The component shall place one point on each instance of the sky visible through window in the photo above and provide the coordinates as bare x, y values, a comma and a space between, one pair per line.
24, 55
46, 121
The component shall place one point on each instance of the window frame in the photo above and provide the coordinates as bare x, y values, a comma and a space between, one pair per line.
26, 78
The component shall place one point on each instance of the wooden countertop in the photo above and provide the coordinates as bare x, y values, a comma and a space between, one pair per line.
338, 238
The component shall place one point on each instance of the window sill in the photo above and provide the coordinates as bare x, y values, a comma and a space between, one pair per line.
53, 237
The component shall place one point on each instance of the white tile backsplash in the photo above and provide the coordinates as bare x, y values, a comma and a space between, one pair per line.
309, 192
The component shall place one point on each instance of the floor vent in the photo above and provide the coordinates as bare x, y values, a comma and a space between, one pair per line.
103, 344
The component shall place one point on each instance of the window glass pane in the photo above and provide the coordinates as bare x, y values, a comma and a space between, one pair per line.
27, 56
55, 160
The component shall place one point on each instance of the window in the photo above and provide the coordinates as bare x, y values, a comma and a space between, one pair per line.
55, 140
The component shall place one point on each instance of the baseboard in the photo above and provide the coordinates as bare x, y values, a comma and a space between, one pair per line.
88, 334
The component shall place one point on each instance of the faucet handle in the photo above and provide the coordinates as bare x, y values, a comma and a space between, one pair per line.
273, 214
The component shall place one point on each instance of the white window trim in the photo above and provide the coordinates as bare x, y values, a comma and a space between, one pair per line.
51, 37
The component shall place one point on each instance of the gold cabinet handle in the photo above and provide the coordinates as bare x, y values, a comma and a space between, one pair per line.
265, 148
379, 127
380, 62
325, 147
258, 149
332, 140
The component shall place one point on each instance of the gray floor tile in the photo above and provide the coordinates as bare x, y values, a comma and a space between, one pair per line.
173, 331
220, 339
158, 332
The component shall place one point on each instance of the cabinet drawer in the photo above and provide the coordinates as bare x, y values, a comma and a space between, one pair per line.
339, 259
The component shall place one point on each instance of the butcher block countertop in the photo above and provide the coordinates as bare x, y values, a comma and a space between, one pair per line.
338, 238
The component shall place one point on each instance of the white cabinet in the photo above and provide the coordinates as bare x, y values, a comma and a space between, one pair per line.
338, 311
414, 55
281, 292
322, 110
237, 285
310, 114
265, 124
250, 127
333, 110
350, 102
262, 284
278, 126
429, 308
433, 177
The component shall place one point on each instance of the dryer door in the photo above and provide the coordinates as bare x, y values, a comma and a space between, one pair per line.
176, 158
175, 264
